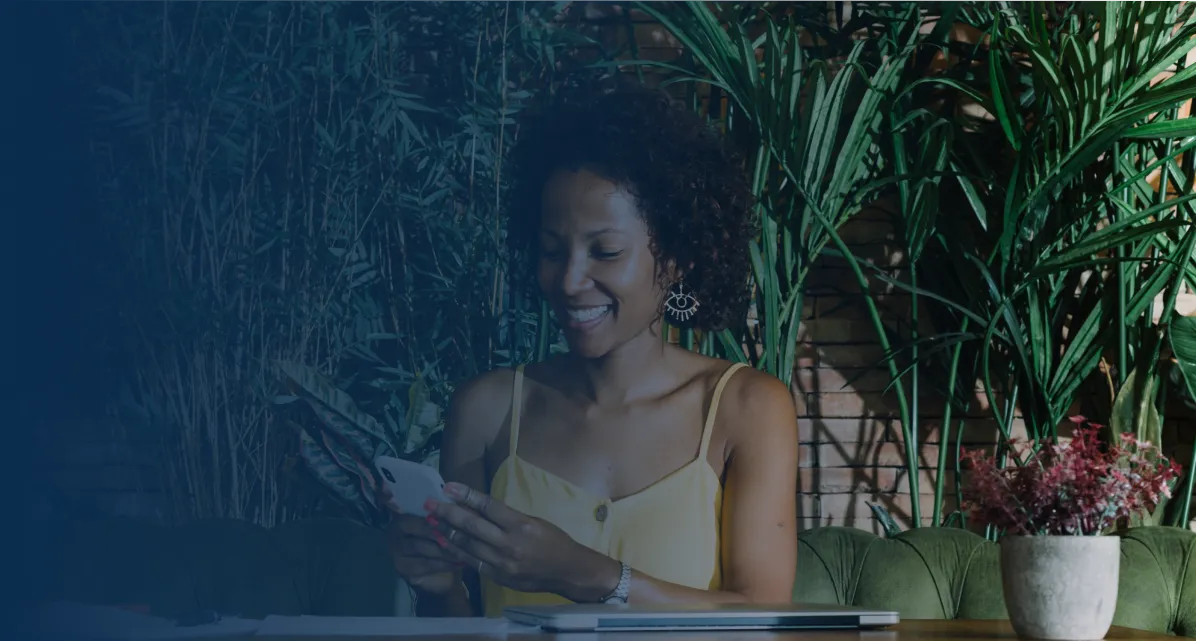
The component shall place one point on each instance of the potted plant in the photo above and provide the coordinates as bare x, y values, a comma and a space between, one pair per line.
1056, 508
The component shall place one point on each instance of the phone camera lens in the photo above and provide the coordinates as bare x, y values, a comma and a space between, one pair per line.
388, 475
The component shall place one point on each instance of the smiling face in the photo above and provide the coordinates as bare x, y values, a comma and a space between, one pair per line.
596, 267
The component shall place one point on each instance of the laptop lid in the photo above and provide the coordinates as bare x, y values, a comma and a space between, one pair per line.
729, 616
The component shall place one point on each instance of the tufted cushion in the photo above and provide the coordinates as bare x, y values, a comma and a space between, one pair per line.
942, 573
337, 567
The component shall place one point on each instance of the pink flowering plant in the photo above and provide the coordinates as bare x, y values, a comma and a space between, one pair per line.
1077, 488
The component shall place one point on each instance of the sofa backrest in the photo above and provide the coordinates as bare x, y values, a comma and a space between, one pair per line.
946, 573
338, 567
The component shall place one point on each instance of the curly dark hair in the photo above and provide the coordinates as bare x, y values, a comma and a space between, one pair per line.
689, 184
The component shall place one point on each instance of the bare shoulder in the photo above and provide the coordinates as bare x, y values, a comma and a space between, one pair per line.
479, 406
757, 407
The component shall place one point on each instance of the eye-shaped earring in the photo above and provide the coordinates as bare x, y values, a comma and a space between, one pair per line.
680, 305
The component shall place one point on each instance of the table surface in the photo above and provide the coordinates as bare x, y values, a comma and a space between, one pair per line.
907, 630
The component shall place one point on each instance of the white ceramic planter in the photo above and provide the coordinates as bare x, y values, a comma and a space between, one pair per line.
1061, 588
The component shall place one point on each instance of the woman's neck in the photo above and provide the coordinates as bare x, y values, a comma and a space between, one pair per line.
634, 370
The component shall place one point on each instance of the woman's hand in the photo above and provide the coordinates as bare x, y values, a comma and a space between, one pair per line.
418, 554
519, 551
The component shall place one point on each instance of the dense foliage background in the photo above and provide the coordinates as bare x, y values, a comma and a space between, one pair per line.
303, 205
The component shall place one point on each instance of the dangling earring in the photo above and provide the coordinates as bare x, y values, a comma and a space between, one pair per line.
680, 305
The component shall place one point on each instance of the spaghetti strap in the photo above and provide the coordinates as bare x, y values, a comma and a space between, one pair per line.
516, 406
708, 428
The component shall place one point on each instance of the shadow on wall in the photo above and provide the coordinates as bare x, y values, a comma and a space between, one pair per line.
853, 449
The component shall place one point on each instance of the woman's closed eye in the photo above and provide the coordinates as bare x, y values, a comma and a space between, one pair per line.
598, 254
607, 255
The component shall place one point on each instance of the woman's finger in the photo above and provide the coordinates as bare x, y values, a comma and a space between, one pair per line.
469, 551
455, 517
413, 526
382, 495
490, 508
421, 548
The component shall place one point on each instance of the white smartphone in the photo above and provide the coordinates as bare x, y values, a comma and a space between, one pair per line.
411, 484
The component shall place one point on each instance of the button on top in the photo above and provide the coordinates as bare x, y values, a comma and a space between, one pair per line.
601, 512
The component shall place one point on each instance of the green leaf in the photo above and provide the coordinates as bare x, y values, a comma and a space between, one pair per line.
423, 417
887, 523
345, 438
345, 487
973, 196
1182, 335
1165, 129
1002, 106
1134, 410
1155, 516
339, 406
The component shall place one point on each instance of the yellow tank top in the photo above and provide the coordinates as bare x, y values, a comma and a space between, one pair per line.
668, 530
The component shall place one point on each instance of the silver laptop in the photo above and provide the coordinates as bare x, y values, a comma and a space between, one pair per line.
737, 616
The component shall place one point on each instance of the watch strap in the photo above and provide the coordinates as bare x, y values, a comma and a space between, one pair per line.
622, 590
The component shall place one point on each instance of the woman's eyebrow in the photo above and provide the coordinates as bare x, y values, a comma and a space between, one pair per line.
589, 234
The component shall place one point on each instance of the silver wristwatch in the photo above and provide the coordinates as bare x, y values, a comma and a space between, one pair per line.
619, 594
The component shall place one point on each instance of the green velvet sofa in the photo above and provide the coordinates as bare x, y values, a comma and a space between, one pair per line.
336, 567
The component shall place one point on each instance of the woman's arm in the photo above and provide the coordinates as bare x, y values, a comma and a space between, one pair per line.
759, 534
472, 422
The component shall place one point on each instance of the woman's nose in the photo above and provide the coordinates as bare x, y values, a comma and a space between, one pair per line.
575, 278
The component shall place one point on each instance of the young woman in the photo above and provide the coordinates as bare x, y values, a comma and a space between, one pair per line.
628, 469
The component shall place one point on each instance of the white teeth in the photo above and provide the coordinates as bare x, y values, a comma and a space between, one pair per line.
583, 315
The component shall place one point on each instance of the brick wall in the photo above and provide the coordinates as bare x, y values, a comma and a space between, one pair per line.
854, 452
